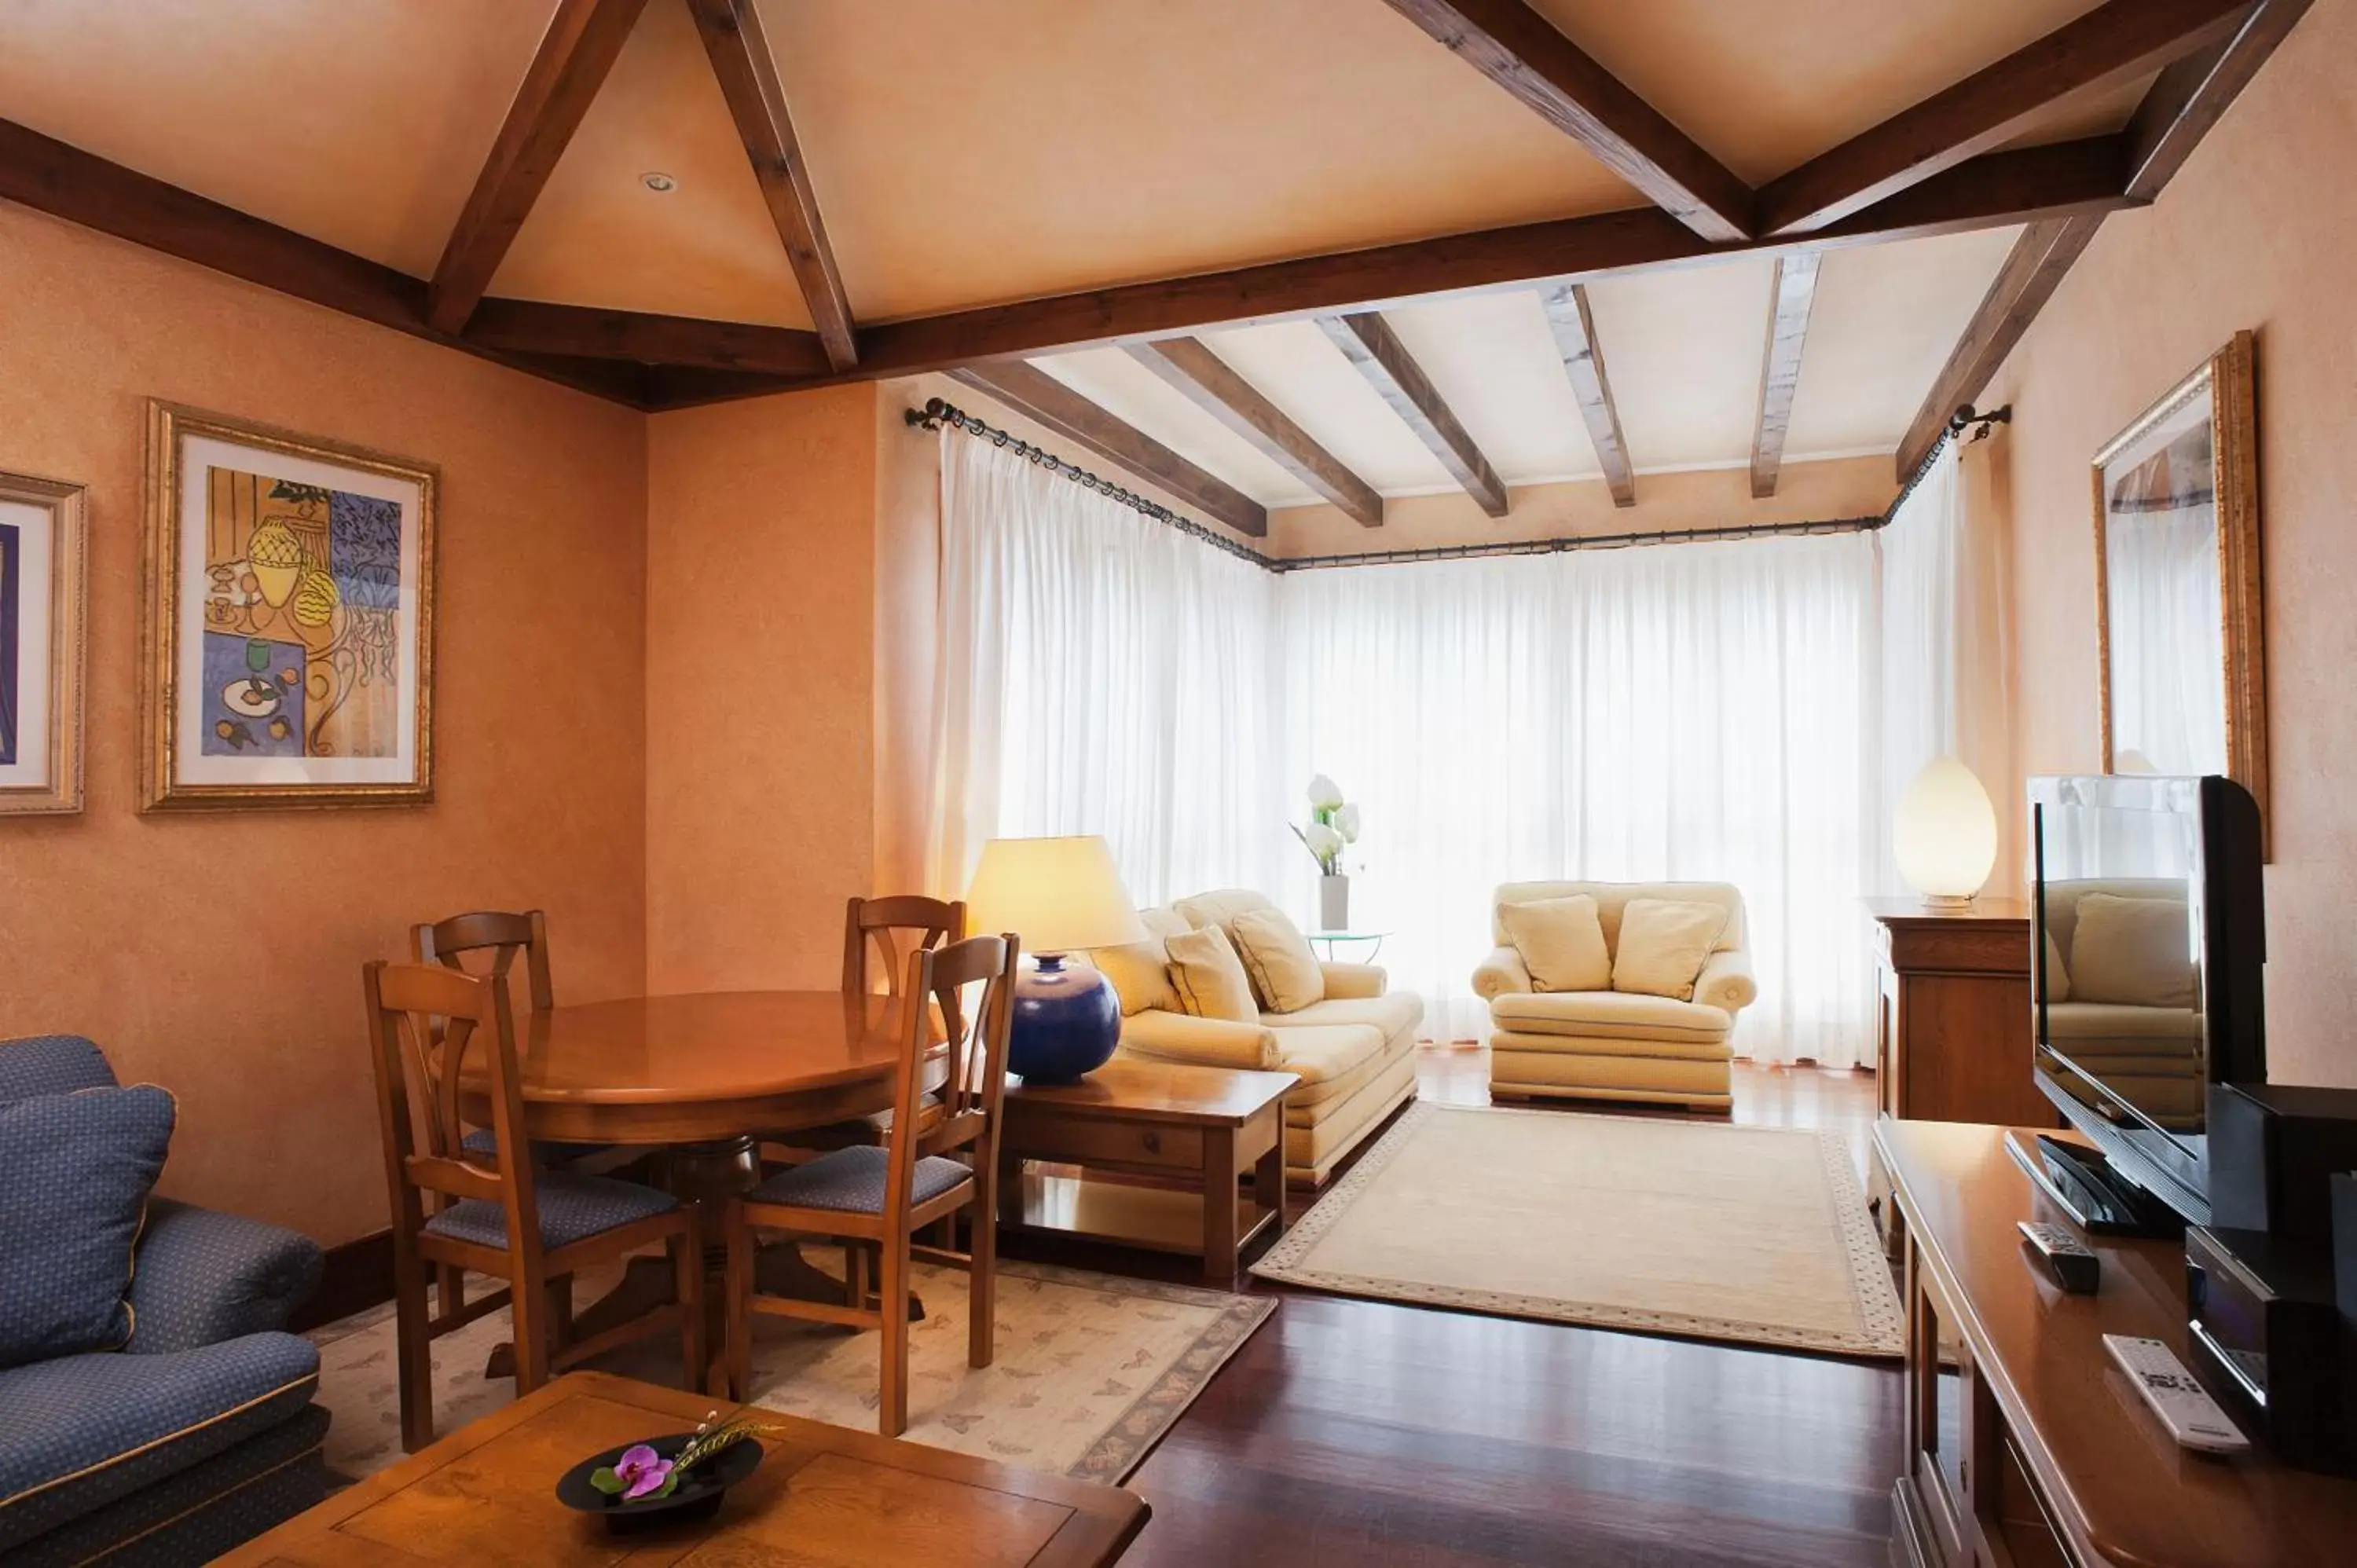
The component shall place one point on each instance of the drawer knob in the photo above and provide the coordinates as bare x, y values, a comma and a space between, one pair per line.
1154, 1143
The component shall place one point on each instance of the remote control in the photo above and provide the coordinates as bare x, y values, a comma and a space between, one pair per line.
2191, 1416
2067, 1260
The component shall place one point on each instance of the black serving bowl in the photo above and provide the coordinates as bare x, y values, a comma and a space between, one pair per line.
697, 1496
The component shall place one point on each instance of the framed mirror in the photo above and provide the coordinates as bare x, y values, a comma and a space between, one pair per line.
2183, 651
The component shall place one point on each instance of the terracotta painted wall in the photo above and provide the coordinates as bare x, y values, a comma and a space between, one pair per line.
219, 955
2257, 232
760, 729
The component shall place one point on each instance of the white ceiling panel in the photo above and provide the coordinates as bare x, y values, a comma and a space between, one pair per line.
1296, 367
1493, 359
1127, 390
1683, 350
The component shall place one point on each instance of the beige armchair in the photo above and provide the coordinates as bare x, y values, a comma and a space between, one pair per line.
1611, 1044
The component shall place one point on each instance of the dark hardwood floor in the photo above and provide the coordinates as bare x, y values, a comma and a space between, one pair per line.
1369, 1433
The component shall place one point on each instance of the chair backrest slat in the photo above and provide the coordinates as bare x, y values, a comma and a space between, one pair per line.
895, 927
975, 1046
503, 935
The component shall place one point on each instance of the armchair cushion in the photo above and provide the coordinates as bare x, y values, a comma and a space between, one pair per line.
51, 1064
1727, 981
1611, 1015
201, 1277
1663, 943
80, 1431
1353, 982
1501, 973
1209, 977
2132, 950
1208, 1042
1284, 973
79, 1168
1561, 941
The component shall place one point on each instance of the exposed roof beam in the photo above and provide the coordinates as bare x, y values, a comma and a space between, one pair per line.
1368, 341
1207, 382
1583, 361
757, 101
1789, 297
583, 39
1520, 51
525, 324
2191, 95
2031, 273
2114, 43
1038, 396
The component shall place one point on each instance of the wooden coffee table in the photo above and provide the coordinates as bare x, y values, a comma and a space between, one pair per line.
1206, 1126
824, 1496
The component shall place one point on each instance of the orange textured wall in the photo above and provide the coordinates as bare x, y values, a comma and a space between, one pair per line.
760, 670
219, 955
2256, 231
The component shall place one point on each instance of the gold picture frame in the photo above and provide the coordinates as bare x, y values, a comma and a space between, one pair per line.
2190, 463
286, 627
44, 603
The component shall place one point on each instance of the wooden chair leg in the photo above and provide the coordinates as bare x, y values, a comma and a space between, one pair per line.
855, 1287
737, 1375
529, 1309
413, 1356
687, 1271
449, 1292
892, 1301
982, 1272
560, 1313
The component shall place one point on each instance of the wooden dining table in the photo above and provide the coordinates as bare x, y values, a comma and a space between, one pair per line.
706, 1077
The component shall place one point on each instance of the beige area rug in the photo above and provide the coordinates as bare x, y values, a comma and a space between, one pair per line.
1091, 1371
1753, 1234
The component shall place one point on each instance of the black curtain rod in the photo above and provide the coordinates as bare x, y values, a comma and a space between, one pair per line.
937, 414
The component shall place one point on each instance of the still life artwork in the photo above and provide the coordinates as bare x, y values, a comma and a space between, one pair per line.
40, 645
293, 591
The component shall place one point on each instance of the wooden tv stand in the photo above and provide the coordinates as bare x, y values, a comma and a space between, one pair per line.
2025, 1447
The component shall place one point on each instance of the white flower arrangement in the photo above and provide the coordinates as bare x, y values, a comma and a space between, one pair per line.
1333, 825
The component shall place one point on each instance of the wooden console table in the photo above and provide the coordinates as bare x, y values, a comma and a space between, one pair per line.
1954, 1028
2025, 1447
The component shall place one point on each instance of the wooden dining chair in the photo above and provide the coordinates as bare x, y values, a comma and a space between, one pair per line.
892, 928
505, 1219
873, 1197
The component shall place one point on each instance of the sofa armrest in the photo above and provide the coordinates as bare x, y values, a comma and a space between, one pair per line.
200, 1277
1355, 982
1725, 982
1500, 973
1206, 1042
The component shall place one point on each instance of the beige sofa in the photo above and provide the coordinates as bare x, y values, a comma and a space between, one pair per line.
1355, 1050
1611, 1044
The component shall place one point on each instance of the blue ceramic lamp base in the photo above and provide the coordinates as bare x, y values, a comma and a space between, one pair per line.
1067, 1022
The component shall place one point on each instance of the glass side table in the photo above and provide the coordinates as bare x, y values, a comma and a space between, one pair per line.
1326, 941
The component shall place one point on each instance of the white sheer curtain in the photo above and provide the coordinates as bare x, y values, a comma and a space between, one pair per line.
2167, 640
1097, 673
1689, 712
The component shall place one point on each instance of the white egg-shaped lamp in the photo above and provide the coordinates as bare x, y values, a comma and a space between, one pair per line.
1945, 838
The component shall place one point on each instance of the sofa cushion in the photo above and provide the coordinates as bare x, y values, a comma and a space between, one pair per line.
1209, 978
1610, 1014
1330, 1060
77, 1171
1663, 943
2133, 951
1561, 942
1394, 1014
1284, 973
80, 1431
1140, 971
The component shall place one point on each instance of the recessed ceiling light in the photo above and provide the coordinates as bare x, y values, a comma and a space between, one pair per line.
658, 181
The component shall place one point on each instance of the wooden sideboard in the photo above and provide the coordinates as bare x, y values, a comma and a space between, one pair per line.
2025, 1447
1953, 1024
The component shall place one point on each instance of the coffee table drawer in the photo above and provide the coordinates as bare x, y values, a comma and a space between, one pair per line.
1105, 1142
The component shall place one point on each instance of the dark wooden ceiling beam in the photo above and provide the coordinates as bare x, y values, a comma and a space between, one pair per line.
1368, 341
1574, 326
1037, 396
683, 341
2188, 98
583, 39
2114, 43
1520, 51
757, 101
2031, 273
1789, 297
1190, 367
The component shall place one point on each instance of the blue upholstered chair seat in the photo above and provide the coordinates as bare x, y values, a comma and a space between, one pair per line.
544, 1153
80, 1431
851, 1181
572, 1208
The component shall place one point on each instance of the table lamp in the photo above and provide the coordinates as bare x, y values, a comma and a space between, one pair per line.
1058, 895
1945, 836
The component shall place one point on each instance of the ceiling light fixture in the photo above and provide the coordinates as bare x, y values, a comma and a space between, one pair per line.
658, 182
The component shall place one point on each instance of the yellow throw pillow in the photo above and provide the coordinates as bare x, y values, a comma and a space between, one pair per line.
1664, 944
1284, 973
2058, 974
1209, 978
2133, 951
1140, 971
1561, 941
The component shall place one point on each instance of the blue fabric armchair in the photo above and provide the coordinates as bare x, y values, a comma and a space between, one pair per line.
201, 1432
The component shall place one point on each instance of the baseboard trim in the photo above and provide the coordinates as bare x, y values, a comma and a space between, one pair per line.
358, 1275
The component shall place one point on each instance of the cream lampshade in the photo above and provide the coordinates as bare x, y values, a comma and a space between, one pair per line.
1946, 839
1057, 894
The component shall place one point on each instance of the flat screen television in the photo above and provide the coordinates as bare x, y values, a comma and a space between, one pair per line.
2147, 942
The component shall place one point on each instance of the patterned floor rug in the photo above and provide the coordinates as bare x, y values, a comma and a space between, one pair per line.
1757, 1235
1091, 1371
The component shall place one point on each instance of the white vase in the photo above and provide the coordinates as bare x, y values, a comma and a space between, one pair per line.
1334, 903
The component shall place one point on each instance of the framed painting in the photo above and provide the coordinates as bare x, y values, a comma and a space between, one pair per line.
2180, 636
287, 641
41, 641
